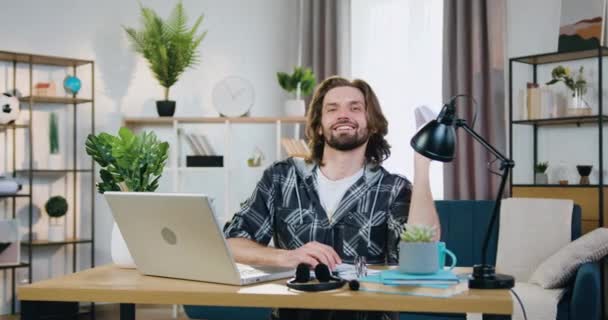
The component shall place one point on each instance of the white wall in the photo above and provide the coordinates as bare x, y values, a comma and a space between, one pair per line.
397, 49
250, 39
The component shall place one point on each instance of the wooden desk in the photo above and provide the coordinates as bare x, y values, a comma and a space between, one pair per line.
129, 287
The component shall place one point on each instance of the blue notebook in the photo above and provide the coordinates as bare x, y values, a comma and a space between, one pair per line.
441, 279
442, 286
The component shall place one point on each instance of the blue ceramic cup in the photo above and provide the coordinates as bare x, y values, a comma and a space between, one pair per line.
424, 257
443, 251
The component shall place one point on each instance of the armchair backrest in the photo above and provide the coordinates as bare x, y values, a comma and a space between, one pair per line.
464, 223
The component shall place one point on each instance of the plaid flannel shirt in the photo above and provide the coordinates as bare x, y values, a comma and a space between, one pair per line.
285, 207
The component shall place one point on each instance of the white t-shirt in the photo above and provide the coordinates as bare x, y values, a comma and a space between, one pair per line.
332, 191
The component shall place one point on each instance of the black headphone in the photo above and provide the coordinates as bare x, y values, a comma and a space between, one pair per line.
327, 281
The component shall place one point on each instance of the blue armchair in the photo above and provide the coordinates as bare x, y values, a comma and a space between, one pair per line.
463, 225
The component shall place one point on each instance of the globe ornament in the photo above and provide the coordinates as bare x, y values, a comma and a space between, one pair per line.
71, 84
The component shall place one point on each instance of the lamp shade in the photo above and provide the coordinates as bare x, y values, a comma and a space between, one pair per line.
436, 141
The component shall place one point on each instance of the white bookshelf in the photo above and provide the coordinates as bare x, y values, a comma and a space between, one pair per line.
178, 172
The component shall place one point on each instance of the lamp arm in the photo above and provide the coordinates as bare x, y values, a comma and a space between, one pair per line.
506, 165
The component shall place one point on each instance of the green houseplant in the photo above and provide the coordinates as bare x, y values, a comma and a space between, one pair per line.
540, 177
302, 83
56, 207
169, 46
128, 162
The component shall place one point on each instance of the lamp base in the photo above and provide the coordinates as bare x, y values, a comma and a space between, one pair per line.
484, 277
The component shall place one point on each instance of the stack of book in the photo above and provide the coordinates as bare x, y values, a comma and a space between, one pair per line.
203, 153
441, 284
295, 147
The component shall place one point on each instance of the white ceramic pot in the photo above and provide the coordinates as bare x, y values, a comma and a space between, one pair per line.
295, 108
120, 252
56, 232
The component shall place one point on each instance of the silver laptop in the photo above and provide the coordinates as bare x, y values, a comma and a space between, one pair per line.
177, 236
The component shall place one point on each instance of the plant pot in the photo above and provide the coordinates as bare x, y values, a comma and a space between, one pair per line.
120, 252
418, 257
541, 178
295, 108
56, 232
165, 108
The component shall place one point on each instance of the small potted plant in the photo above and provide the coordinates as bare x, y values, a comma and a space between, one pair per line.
56, 207
170, 48
418, 253
540, 177
128, 162
301, 82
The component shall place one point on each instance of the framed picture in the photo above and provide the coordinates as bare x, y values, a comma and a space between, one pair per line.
582, 25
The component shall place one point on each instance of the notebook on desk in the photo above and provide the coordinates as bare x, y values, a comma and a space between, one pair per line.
440, 285
177, 236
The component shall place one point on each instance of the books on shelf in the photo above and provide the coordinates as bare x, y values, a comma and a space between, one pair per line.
199, 144
295, 147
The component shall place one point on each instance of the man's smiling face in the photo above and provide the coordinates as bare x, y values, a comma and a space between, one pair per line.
344, 118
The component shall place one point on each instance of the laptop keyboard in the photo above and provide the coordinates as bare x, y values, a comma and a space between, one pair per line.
249, 271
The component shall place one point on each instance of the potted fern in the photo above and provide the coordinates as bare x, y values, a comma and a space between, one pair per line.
128, 162
301, 82
56, 207
419, 252
540, 177
170, 48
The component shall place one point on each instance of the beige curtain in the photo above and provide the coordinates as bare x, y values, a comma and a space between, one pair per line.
473, 63
326, 37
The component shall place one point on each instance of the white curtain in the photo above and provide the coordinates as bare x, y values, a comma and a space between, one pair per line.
396, 46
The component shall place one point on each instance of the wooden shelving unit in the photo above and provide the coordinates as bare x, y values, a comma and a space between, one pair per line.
28, 103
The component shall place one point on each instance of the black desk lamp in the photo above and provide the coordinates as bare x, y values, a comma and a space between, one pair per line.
437, 141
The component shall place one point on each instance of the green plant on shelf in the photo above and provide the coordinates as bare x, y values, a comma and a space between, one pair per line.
574, 81
56, 207
541, 167
301, 81
169, 45
53, 134
128, 162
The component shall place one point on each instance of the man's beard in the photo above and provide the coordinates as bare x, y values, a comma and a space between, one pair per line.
346, 142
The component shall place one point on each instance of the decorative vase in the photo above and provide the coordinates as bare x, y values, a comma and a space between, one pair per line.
541, 178
165, 108
56, 232
584, 172
120, 252
295, 108
578, 106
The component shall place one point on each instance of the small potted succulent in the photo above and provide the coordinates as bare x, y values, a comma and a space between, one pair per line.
56, 207
418, 250
540, 176
301, 82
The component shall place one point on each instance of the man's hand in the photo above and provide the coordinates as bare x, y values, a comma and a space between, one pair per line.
311, 253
